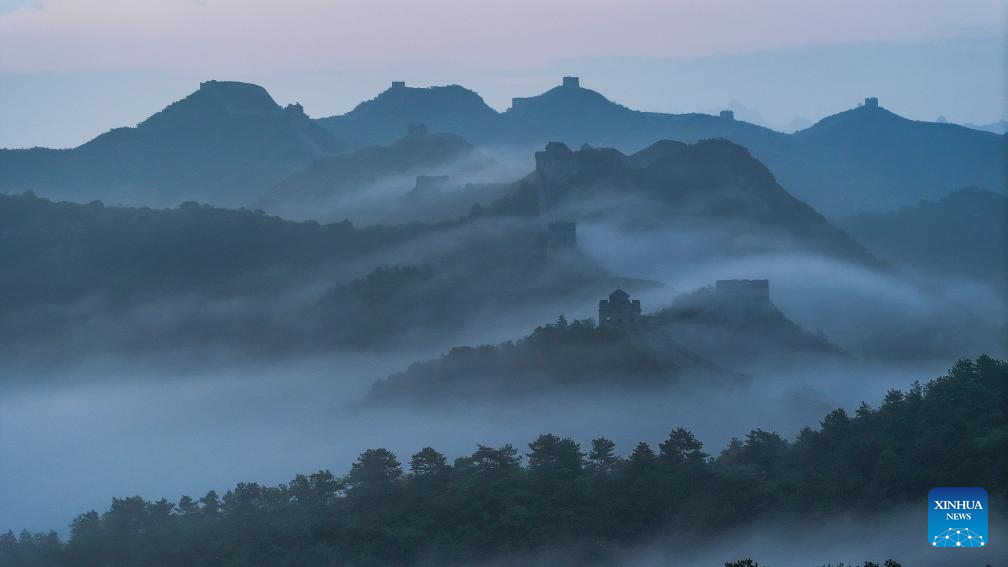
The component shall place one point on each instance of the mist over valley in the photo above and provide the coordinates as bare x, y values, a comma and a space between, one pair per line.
565, 333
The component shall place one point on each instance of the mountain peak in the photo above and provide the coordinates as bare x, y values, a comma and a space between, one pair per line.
220, 98
450, 108
431, 97
238, 97
568, 96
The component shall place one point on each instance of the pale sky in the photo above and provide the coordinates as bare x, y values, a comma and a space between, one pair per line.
70, 69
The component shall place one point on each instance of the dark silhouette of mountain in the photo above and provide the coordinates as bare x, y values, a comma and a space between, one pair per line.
870, 159
87, 278
225, 143
382, 119
713, 186
866, 158
319, 187
568, 113
962, 233
556, 356
999, 127
228, 143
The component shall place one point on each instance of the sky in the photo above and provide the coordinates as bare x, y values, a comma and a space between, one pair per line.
71, 69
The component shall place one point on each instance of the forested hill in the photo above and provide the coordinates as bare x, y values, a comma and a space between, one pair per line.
584, 504
79, 279
964, 233
58, 251
557, 356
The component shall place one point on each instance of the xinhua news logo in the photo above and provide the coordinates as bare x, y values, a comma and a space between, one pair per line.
957, 517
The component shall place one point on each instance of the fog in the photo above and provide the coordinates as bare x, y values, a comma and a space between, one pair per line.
883, 313
157, 426
177, 417
476, 176
851, 539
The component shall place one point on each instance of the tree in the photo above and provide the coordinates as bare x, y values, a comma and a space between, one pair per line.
187, 506
642, 458
127, 516
211, 504
375, 466
602, 457
427, 462
551, 455
244, 498
8, 543
488, 459
316, 489
158, 512
682, 447
85, 526
766, 450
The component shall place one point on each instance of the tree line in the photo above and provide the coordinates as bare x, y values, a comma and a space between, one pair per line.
589, 500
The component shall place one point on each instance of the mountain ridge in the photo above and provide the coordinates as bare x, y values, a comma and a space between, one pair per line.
711, 184
865, 158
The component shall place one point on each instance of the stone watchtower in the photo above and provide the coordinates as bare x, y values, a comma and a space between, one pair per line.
619, 312
871, 103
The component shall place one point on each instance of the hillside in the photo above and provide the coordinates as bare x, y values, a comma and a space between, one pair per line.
714, 186
365, 184
225, 143
964, 232
562, 503
556, 357
92, 278
384, 118
871, 159
736, 323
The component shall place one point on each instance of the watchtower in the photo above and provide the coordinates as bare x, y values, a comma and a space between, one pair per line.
619, 312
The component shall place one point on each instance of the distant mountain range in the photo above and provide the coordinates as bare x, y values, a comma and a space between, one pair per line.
999, 127
223, 144
963, 233
866, 158
229, 144
364, 183
712, 188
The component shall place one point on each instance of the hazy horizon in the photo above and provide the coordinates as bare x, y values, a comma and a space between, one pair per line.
65, 76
